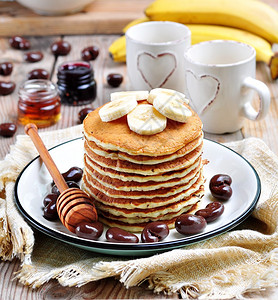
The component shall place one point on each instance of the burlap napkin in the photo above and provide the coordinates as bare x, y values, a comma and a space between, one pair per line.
223, 267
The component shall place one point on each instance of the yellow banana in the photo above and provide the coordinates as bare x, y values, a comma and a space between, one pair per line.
250, 15
200, 33
117, 49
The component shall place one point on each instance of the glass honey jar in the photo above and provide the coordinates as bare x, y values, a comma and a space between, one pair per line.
39, 102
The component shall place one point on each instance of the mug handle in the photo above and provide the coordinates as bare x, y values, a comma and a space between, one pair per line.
264, 95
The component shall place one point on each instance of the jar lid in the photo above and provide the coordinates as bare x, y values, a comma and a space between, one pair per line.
75, 69
41, 88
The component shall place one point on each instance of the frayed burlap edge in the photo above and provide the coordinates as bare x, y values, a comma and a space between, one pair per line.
16, 237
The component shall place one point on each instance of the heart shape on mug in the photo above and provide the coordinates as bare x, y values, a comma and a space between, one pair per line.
156, 69
202, 90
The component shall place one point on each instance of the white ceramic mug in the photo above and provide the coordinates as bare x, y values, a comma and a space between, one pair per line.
220, 79
155, 55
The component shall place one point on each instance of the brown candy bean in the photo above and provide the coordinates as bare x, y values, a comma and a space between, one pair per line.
71, 184
220, 186
219, 179
114, 79
60, 48
73, 174
38, 74
212, 211
83, 113
90, 53
154, 232
7, 129
6, 88
118, 235
190, 224
90, 231
33, 56
50, 211
50, 198
6, 68
19, 42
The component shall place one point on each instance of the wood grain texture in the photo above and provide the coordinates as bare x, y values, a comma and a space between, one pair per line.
74, 206
110, 288
267, 128
8, 111
100, 17
103, 65
59, 180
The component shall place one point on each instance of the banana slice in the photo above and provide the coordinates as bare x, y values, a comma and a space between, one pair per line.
140, 95
155, 92
117, 109
146, 120
172, 107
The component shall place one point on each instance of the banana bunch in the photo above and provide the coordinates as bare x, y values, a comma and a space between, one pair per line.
146, 118
249, 21
251, 15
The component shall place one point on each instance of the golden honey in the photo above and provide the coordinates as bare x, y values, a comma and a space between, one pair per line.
39, 102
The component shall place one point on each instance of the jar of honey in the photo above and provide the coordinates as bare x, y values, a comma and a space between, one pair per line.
76, 83
39, 102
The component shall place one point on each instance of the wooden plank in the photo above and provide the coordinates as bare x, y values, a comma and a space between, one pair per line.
109, 288
100, 17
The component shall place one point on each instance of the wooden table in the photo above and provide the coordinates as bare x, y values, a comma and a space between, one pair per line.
266, 129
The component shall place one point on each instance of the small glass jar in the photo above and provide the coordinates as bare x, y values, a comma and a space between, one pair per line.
39, 102
76, 83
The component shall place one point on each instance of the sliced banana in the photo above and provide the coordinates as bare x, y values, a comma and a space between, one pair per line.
117, 109
146, 120
172, 107
155, 92
140, 95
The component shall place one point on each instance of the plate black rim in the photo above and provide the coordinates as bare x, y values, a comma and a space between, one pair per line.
101, 245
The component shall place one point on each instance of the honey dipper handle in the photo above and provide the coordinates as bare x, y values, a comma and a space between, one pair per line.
32, 131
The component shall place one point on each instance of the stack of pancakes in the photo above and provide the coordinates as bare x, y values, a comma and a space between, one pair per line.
136, 179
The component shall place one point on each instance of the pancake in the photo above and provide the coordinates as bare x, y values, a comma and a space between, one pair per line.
162, 192
137, 216
117, 136
143, 159
128, 167
139, 226
118, 184
136, 179
144, 203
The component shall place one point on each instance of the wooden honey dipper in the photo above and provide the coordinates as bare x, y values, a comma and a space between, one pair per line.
73, 205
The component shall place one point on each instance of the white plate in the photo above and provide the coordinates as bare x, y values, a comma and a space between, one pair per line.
34, 181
